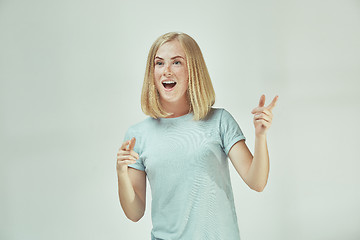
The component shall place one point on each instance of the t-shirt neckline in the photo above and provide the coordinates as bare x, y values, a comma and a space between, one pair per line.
177, 118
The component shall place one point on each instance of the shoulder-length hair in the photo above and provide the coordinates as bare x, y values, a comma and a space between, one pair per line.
201, 94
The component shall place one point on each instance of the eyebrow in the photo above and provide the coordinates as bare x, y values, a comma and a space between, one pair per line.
171, 58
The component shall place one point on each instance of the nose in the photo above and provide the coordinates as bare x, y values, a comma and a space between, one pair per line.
167, 71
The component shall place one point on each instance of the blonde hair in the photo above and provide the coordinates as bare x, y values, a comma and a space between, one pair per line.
201, 94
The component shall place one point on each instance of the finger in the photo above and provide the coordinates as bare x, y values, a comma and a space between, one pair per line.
257, 110
273, 103
135, 154
265, 112
262, 117
262, 110
262, 101
126, 157
124, 153
132, 144
123, 146
128, 162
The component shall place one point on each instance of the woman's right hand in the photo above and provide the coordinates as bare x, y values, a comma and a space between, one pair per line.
126, 156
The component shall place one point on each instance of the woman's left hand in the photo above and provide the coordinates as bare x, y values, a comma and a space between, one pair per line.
263, 116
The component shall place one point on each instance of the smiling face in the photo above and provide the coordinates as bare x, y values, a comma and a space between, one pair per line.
171, 74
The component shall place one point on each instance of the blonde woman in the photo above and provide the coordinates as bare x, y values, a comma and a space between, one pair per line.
183, 146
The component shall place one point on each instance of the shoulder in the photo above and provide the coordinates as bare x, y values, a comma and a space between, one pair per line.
219, 117
223, 118
142, 126
218, 113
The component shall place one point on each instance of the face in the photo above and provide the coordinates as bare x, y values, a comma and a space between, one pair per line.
171, 73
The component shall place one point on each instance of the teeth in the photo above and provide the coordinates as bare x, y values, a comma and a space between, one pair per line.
168, 82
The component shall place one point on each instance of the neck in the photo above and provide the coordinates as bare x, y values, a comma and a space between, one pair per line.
177, 109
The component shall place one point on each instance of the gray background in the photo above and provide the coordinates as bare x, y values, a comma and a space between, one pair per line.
71, 76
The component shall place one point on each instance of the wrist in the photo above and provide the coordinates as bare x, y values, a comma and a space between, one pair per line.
260, 135
121, 173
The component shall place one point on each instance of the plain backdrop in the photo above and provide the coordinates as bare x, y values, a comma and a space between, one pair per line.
71, 74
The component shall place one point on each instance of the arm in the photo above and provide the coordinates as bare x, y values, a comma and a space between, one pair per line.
131, 183
132, 193
254, 170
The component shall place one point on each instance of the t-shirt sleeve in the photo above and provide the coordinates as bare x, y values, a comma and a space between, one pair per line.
139, 162
230, 131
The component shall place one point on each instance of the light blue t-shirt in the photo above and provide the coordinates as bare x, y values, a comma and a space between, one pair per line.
187, 167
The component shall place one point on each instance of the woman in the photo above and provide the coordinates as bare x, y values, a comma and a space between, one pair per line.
182, 148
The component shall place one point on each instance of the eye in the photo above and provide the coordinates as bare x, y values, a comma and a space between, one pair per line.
177, 62
158, 63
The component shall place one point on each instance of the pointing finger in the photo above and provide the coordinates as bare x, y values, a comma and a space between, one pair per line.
273, 103
132, 144
123, 146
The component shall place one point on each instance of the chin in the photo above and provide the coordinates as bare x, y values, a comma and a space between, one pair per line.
172, 100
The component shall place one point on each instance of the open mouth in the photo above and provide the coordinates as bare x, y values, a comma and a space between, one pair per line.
168, 84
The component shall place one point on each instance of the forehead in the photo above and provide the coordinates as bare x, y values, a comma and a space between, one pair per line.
170, 49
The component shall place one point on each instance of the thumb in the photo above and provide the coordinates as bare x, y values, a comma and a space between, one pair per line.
262, 101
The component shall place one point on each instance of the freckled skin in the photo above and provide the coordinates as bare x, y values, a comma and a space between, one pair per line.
170, 64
